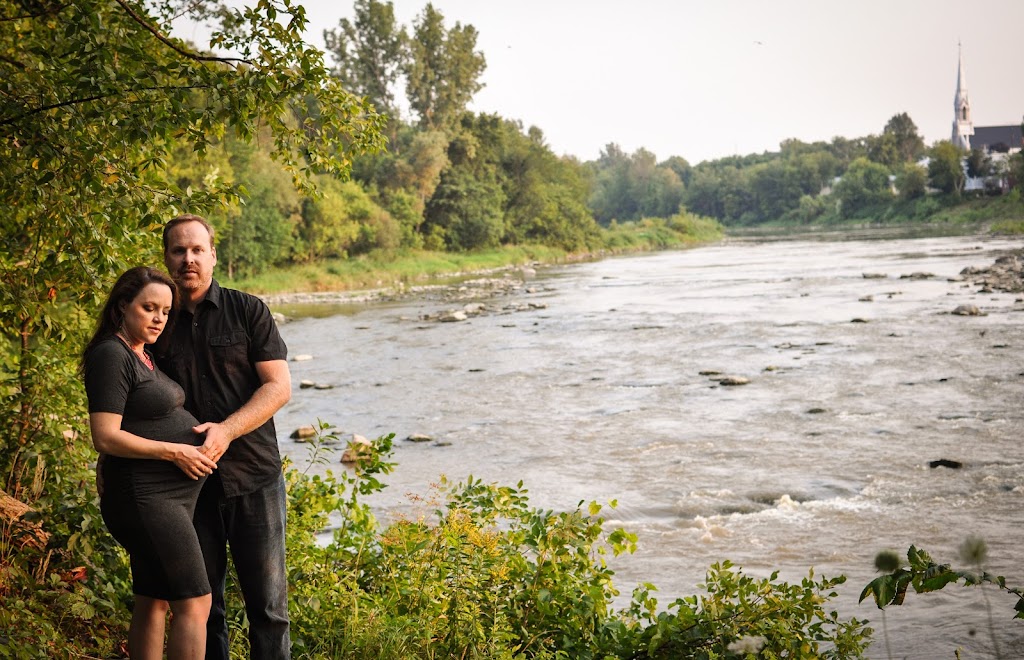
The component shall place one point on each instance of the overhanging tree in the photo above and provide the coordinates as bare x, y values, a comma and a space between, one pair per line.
93, 95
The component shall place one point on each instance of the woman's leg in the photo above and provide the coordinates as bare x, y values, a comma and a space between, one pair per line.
146, 633
187, 640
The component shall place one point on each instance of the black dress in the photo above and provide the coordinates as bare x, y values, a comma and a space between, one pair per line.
147, 504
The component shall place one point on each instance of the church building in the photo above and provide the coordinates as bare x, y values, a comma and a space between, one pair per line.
967, 136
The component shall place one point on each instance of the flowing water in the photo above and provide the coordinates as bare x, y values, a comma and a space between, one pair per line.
600, 391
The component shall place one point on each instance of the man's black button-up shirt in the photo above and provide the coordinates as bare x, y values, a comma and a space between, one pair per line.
212, 354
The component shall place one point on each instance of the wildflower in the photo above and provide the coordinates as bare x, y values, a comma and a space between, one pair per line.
887, 561
973, 551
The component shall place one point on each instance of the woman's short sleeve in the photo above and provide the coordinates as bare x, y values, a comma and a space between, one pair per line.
109, 377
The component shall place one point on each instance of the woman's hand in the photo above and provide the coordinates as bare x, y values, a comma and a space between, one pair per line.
194, 463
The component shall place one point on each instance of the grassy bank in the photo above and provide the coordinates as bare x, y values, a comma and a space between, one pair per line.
1002, 214
397, 269
931, 215
400, 268
391, 269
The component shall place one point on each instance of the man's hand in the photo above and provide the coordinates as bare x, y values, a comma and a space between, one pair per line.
218, 438
193, 462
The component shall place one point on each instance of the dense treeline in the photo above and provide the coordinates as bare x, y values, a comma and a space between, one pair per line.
891, 174
450, 179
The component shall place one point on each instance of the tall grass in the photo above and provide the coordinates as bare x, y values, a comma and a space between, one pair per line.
396, 269
390, 269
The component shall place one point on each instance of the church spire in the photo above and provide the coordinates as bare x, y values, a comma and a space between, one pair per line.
963, 128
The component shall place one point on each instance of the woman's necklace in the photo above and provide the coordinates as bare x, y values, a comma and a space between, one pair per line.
143, 355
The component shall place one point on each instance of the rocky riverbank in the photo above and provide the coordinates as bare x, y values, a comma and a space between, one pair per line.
1006, 274
477, 294
461, 287
469, 294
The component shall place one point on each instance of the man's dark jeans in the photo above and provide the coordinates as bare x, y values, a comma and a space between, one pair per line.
253, 526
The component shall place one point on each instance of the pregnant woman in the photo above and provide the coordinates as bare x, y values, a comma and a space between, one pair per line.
150, 469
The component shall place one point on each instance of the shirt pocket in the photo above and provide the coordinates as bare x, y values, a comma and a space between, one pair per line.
230, 350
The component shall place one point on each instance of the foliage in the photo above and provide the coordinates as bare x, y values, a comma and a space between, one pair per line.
442, 70
259, 231
96, 93
719, 192
812, 208
766, 189
467, 208
898, 144
634, 186
76, 592
545, 195
911, 181
1017, 170
478, 573
486, 575
742, 615
418, 169
342, 222
909, 143
682, 229
924, 575
369, 54
979, 163
945, 171
865, 184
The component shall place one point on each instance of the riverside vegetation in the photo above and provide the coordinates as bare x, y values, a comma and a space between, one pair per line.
110, 125
478, 573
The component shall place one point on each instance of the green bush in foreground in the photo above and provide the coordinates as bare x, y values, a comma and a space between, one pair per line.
484, 575
479, 574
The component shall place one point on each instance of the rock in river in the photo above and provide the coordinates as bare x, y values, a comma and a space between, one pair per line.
967, 310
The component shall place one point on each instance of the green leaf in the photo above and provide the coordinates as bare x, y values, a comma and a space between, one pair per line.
83, 610
882, 589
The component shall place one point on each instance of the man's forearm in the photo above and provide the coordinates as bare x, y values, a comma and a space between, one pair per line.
265, 401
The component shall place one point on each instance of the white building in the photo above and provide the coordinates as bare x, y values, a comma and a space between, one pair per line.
991, 139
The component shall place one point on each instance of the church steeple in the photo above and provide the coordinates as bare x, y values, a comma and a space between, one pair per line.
963, 128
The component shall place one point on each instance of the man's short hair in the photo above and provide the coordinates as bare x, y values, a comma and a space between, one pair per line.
182, 219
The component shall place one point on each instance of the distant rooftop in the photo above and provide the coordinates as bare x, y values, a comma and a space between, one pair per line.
993, 137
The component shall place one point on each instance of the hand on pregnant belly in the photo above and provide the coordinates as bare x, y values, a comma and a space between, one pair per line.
216, 439
194, 463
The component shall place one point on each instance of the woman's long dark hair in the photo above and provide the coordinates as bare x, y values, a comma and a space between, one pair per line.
125, 290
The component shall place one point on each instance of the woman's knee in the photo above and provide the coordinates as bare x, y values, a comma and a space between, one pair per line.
197, 608
150, 607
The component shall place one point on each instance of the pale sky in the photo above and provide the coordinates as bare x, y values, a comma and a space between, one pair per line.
704, 79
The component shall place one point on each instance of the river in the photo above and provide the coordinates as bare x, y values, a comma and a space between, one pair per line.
591, 382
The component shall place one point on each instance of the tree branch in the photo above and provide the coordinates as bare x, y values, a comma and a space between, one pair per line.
173, 46
51, 8
12, 62
89, 99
